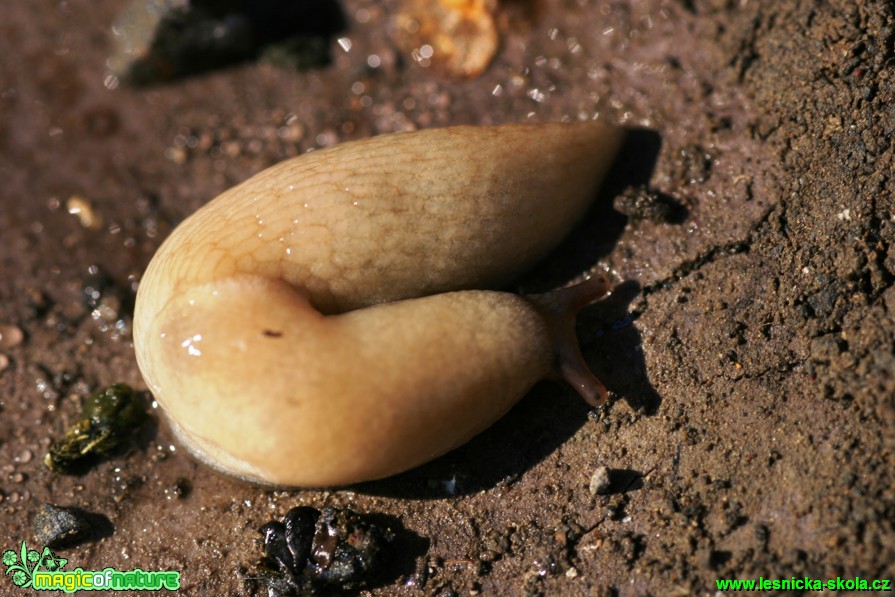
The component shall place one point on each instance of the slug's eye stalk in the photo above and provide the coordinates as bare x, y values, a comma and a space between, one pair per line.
559, 309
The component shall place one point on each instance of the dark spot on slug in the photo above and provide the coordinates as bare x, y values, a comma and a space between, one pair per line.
272, 334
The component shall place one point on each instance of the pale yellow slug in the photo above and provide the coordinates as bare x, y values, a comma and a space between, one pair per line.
324, 322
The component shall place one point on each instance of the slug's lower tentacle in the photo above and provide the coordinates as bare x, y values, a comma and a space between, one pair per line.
559, 309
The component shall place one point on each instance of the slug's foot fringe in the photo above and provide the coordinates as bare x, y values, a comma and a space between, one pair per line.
559, 309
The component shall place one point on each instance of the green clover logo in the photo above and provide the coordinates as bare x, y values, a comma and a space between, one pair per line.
21, 579
22, 572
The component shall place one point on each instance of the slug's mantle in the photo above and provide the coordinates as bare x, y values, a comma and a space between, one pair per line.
323, 322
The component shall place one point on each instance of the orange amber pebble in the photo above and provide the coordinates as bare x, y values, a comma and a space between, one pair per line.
458, 37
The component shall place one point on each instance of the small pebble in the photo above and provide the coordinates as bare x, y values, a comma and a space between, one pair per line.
10, 336
599, 481
641, 203
325, 551
58, 525
179, 490
459, 38
83, 210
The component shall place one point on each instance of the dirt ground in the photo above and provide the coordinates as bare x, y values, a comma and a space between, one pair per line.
750, 351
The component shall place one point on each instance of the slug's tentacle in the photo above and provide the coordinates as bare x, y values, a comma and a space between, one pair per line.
559, 309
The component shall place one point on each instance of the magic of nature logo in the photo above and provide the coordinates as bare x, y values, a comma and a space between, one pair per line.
44, 571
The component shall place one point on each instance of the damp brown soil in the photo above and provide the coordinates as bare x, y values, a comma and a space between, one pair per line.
750, 350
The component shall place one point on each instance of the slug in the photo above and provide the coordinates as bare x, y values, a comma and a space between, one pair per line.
325, 323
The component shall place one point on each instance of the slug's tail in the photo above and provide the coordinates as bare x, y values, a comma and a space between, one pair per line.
559, 309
